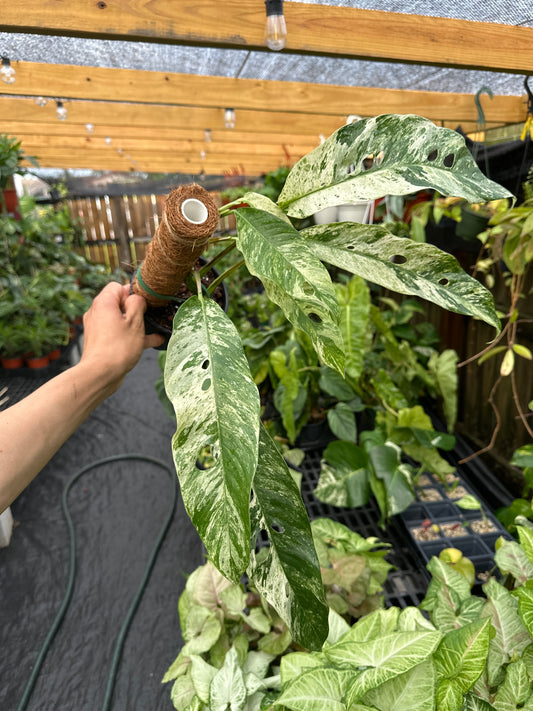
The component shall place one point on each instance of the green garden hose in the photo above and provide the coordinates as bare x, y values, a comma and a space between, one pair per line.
72, 575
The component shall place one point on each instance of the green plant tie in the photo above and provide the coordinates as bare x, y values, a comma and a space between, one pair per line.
119, 644
164, 297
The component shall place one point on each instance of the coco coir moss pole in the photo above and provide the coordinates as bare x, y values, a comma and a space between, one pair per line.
190, 216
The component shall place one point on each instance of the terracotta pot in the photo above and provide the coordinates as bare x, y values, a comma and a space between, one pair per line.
38, 362
12, 203
55, 354
12, 363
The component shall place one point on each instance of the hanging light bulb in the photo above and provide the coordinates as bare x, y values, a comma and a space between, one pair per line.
203, 155
108, 140
40, 101
207, 135
229, 118
7, 73
352, 118
61, 111
276, 29
89, 127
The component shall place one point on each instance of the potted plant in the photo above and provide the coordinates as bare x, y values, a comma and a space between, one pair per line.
11, 157
249, 489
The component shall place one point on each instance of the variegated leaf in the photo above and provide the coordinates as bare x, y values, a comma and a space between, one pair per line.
515, 690
511, 635
399, 264
289, 577
354, 302
412, 691
208, 380
459, 661
294, 279
317, 690
408, 153
382, 659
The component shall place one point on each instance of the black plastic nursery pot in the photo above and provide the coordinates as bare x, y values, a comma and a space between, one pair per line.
434, 522
159, 319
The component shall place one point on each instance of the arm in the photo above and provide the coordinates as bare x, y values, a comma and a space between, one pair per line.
35, 428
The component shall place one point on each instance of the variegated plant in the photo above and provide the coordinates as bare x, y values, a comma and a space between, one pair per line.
248, 491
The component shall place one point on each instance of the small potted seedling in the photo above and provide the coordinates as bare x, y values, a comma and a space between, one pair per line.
480, 526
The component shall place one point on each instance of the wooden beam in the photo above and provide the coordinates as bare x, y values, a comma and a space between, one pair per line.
33, 144
317, 29
161, 163
65, 128
175, 117
164, 88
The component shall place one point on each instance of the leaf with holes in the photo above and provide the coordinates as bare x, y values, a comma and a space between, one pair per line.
208, 380
289, 576
399, 264
385, 155
294, 279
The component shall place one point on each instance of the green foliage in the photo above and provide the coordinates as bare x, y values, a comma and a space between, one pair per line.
408, 153
11, 157
44, 284
234, 638
473, 653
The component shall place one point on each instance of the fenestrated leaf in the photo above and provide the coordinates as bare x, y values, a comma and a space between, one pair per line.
404, 266
208, 380
294, 279
316, 690
409, 153
412, 691
289, 576
459, 661
382, 659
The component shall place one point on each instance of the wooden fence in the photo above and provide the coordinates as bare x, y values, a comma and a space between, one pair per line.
117, 230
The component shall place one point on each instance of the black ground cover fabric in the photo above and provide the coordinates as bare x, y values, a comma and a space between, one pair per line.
118, 511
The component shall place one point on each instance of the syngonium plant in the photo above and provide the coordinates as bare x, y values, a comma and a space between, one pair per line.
248, 489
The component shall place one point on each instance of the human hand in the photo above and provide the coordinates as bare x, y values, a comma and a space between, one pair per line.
114, 336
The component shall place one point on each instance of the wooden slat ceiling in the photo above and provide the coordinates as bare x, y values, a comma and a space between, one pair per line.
156, 120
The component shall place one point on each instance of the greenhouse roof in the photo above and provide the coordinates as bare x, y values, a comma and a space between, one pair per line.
128, 71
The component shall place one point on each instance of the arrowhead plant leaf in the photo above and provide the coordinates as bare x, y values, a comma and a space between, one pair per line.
216, 402
407, 154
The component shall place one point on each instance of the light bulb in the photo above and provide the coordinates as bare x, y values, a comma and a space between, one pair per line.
40, 101
89, 127
352, 118
61, 111
276, 29
207, 135
7, 73
203, 155
229, 118
108, 140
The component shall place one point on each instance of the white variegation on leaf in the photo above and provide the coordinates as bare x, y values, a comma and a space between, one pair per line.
399, 264
208, 381
385, 155
289, 576
294, 279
